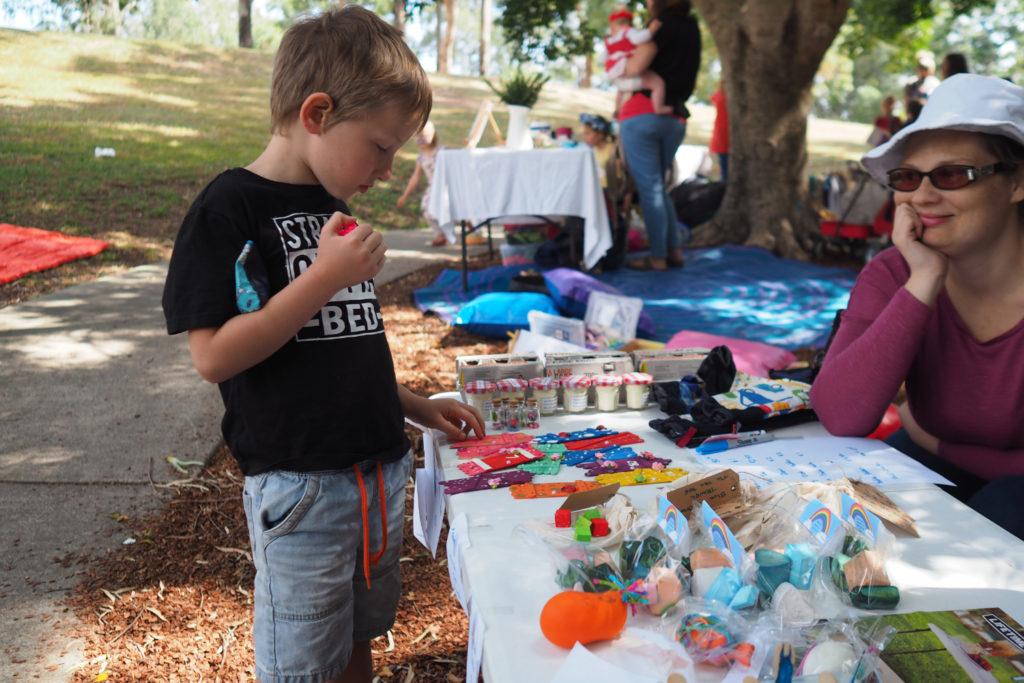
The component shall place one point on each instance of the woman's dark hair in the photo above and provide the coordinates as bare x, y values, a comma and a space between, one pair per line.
954, 63
1007, 151
658, 7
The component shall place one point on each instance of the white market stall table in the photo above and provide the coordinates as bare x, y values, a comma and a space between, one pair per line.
480, 185
961, 560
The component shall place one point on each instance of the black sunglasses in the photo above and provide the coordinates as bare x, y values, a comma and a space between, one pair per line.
951, 177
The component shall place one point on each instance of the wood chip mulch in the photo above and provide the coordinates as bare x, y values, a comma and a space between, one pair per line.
177, 604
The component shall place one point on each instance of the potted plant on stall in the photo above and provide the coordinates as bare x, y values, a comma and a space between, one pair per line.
520, 92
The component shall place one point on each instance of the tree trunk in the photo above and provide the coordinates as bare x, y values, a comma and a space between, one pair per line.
442, 68
400, 15
244, 23
486, 19
586, 78
770, 52
446, 46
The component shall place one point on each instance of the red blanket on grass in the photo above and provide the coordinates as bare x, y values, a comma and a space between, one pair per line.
29, 250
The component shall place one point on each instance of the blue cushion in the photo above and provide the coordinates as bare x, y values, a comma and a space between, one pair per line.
497, 313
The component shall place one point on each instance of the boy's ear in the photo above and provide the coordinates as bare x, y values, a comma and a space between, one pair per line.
314, 111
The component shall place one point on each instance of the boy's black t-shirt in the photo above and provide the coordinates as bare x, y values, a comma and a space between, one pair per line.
328, 398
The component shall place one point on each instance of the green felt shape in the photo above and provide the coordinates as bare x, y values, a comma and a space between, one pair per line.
550, 448
541, 466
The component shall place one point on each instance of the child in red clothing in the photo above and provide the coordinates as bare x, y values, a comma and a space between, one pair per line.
720, 133
887, 124
620, 43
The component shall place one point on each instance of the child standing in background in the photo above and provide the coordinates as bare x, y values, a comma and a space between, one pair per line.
620, 43
887, 124
428, 143
719, 143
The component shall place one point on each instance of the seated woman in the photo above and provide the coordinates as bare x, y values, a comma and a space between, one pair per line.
943, 309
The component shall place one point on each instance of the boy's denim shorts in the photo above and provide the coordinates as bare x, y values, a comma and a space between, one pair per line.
311, 598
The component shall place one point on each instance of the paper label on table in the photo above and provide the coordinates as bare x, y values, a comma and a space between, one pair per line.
862, 519
475, 647
427, 509
718, 490
821, 522
825, 459
884, 507
721, 535
458, 542
672, 521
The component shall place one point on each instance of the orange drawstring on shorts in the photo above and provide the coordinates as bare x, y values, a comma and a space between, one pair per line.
375, 558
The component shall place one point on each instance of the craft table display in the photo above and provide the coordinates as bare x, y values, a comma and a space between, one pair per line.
479, 184
960, 561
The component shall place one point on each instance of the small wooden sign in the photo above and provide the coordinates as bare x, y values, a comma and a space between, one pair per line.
720, 490
880, 504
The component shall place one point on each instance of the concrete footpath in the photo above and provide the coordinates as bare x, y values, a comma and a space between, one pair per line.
94, 396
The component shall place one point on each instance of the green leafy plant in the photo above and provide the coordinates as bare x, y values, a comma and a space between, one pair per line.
519, 88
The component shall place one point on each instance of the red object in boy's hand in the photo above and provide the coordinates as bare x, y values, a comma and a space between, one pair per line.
344, 230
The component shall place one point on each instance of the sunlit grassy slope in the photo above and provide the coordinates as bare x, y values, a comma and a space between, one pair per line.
178, 114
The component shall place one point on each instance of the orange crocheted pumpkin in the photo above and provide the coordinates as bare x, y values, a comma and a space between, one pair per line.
573, 616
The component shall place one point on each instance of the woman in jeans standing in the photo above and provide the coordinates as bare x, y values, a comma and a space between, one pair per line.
649, 140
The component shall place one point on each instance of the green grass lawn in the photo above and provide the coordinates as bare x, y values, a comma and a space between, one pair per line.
177, 114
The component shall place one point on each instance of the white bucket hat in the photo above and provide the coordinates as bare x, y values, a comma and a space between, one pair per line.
980, 104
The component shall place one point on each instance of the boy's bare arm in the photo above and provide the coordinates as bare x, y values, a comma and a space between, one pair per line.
454, 418
243, 341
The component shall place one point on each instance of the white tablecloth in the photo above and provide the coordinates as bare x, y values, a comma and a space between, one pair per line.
961, 560
478, 184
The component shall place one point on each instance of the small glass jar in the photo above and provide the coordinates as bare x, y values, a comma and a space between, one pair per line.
638, 389
515, 415
545, 390
606, 390
574, 393
532, 419
512, 388
480, 395
497, 415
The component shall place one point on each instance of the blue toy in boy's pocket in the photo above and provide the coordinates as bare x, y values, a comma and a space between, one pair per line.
497, 313
251, 288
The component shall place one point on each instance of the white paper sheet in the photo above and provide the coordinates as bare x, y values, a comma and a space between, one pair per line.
427, 510
824, 459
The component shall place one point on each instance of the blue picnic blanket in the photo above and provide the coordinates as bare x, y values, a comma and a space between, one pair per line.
731, 291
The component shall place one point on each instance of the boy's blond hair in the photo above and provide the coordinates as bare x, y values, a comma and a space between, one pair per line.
354, 56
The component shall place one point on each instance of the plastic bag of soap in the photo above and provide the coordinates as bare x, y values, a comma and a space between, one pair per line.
713, 633
578, 566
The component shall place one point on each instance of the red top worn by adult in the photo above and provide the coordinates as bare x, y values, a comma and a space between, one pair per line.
965, 393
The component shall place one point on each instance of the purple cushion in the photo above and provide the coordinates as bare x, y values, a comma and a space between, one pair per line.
571, 289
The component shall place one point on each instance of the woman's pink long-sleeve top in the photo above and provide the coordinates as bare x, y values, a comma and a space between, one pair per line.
970, 395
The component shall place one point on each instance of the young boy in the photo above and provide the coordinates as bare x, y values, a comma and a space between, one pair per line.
312, 406
620, 44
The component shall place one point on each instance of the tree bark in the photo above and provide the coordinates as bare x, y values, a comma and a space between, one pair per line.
587, 77
244, 23
400, 15
446, 44
770, 52
486, 19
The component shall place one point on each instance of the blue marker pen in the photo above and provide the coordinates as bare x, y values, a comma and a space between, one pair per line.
709, 447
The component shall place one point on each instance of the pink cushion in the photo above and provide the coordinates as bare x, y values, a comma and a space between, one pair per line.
751, 357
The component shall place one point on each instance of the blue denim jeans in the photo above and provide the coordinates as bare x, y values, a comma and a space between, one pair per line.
650, 142
1001, 500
